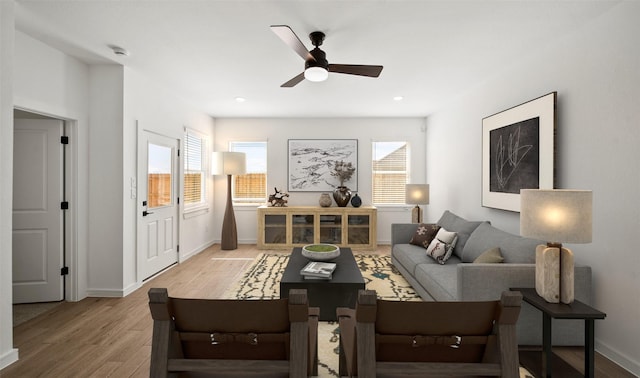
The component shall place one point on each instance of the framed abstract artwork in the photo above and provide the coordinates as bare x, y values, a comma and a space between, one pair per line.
311, 162
518, 152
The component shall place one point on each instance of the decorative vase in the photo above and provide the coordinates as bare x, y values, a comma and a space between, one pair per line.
325, 200
356, 201
342, 195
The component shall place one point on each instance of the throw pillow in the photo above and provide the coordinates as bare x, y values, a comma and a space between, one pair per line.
490, 256
424, 234
442, 245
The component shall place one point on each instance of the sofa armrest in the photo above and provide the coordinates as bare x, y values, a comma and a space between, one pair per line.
478, 282
401, 233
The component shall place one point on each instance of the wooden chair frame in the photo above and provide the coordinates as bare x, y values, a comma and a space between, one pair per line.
359, 341
169, 359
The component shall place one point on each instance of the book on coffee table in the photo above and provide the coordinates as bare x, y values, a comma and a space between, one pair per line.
318, 269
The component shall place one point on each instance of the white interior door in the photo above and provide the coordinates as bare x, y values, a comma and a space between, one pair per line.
37, 214
157, 202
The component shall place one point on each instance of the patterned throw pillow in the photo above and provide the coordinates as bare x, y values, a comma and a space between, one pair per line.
424, 234
442, 245
490, 256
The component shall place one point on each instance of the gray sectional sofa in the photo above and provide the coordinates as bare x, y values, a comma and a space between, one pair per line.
459, 279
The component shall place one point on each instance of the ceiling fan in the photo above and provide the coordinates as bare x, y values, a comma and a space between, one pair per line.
316, 66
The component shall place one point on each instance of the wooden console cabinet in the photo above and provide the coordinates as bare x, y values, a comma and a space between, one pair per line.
296, 226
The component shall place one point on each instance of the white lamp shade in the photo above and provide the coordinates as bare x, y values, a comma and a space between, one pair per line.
228, 163
417, 194
557, 215
316, 74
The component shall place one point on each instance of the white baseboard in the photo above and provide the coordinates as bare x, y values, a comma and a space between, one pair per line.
619, 358
186, 256
8, 358
105, 293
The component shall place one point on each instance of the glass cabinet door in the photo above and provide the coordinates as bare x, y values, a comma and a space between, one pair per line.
358, 229
331, 228
302, 228
275, 228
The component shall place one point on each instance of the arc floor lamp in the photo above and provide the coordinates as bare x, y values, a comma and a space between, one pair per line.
229, 164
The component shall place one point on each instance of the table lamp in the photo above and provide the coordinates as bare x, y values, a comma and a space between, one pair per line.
228, 163
559, 216
417, 194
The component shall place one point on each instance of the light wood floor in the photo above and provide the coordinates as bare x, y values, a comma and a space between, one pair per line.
102, 337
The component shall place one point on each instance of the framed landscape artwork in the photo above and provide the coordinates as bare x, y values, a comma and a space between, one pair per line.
311, 162
518, 152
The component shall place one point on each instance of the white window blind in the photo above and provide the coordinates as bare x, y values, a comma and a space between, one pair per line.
389, 172
252, 186
194, 168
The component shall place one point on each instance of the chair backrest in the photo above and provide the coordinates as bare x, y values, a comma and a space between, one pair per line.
231, 337
451, 338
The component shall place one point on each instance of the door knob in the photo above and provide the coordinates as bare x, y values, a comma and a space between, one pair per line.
145, 213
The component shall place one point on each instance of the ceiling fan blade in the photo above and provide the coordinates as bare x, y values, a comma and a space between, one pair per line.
356, 69
291, 39
293, 81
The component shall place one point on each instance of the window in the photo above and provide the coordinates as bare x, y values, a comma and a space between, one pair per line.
194, 169
390, 172
252, 186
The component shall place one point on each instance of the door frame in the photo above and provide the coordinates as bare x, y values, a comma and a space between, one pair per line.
70, 188
140, 130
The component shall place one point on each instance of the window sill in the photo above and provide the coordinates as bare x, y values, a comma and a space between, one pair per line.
195, 212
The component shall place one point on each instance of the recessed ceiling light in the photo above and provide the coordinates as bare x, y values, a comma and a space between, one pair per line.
398, 98
240, 99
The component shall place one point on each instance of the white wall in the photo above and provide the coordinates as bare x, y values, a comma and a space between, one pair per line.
157, 109
105, 268
105, 102
52, 83
595, 72
277, 132
8, 354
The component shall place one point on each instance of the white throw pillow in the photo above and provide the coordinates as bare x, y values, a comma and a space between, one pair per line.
441, 247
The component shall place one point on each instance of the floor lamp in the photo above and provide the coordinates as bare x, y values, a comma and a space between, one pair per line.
559, 216
229, 164
417, 194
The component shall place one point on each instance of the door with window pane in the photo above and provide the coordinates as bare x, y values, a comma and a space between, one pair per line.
157, 198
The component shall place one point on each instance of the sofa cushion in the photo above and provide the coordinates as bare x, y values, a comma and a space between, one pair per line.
461, 226
490, 256
440, 281
514, 248
411, 255
442, 245
424, 234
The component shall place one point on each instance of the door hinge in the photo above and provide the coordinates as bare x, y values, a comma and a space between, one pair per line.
178, 200
178, 248
178, 152
64, 139
64, 205
64, 271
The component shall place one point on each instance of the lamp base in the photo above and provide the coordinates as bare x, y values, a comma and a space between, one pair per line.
416, 215
229, 236
554, 274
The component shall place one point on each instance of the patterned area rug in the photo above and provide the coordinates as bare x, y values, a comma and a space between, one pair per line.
262, 280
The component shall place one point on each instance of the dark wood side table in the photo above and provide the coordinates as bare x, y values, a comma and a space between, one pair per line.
575, 310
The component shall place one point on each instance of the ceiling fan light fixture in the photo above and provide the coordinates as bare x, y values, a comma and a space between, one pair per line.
316, 74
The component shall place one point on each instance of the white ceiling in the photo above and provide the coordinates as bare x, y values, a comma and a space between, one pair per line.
211, 52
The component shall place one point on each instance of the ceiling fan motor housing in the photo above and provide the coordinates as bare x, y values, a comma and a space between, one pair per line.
320, 59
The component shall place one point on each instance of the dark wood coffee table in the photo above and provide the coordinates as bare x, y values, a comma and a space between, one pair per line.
340, 291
